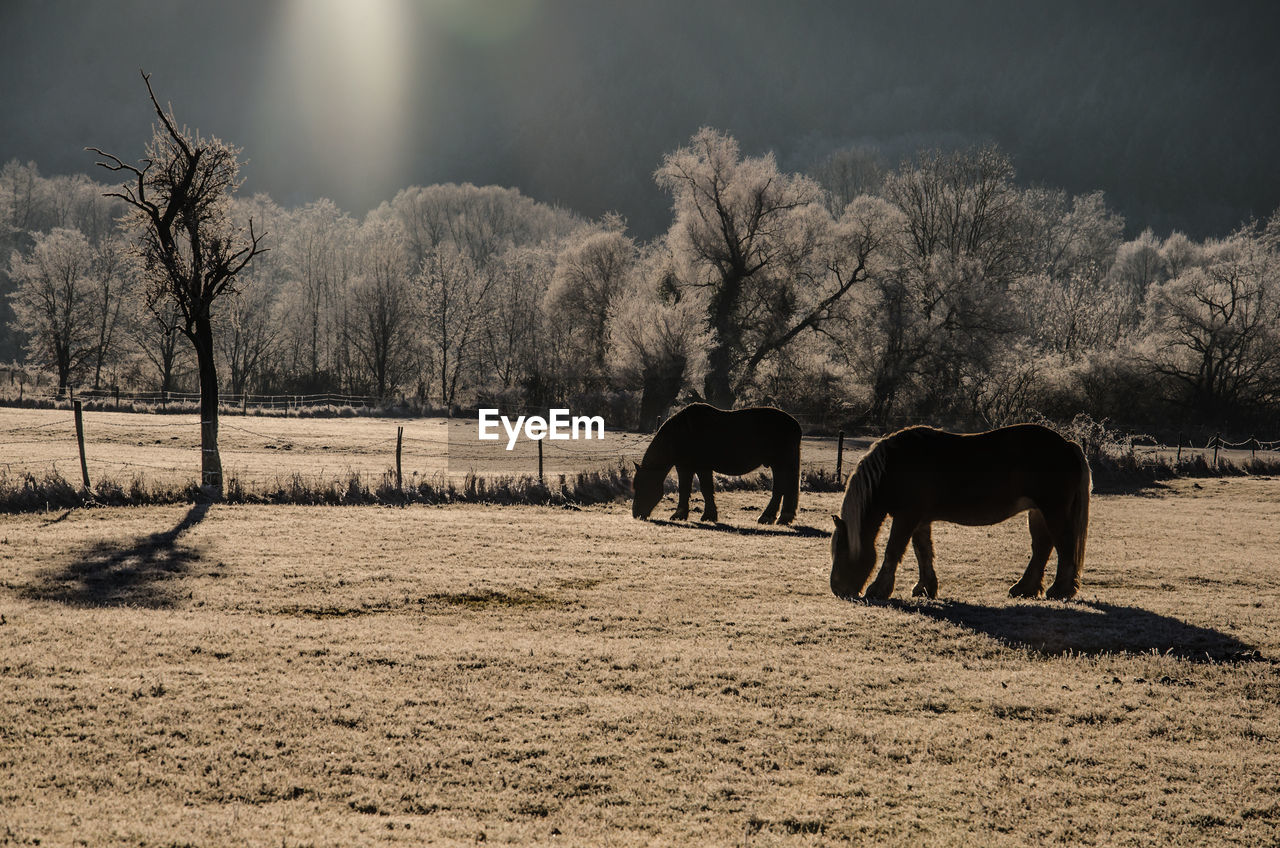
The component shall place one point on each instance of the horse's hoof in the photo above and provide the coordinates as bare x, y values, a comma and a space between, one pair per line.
1056, 593
679, 516
710, 516
1020, 591
923, 591
765, 519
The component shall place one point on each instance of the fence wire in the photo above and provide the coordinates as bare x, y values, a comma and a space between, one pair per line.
265, 450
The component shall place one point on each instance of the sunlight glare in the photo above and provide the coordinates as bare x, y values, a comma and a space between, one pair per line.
344, 70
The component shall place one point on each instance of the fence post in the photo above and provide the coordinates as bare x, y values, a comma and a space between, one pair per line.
1217, 443
399, 443
539, 462
1179, 457
84, 468
840, 457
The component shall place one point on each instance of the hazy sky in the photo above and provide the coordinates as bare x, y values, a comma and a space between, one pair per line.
1170, 107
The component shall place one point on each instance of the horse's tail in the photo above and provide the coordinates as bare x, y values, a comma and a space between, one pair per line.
1080, 516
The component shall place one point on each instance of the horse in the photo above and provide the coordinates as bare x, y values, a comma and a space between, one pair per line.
701, 439
920, 475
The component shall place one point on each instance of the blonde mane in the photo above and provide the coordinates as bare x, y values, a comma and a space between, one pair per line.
862, 484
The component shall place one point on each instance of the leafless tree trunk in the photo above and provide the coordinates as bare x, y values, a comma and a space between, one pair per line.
191, 252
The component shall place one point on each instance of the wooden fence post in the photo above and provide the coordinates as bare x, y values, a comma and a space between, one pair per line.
84, 468
1217, 443
399, 443
840, 457
1179, 457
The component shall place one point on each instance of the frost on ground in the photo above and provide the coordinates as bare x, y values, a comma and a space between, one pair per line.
325, 676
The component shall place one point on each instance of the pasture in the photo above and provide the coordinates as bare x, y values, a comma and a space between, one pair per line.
536, 675
268, 450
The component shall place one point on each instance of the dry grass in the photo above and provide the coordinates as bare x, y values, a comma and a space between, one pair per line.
354, 675
270, 451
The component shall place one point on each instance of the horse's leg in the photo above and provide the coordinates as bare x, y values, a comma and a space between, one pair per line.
771, 511
789, 486
922, 542
1032, 582
707, 480
899, 534
1067, 581
686, 486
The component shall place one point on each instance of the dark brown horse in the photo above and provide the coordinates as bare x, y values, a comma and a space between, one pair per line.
701, 439
920, 475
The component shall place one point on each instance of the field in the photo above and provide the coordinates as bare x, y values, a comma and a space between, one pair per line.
535, 675
266, 450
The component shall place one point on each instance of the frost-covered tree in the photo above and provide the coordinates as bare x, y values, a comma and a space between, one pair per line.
947, 313
112, 274
747, 236
54, 301
319, 248
190, 250
513, 322
154, 337
591, 271
21, 193
455, 300
1072, 299
382, 308
1214, 330
658, 339
248, 326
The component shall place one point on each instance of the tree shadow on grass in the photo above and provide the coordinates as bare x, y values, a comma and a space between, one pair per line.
112, 574
758, 530
1090, 628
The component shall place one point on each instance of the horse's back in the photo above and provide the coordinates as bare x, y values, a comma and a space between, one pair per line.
986, 477
732, 441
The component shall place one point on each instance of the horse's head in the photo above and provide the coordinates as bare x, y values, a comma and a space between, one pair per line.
647, 489
852, 559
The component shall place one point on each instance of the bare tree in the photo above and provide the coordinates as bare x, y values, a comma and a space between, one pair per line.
247, 330
521, 278
1215, 329
319, 246
54, 300
591, 272
455, 299
191, 252
382, 308
745, 234
111, 276
154, 334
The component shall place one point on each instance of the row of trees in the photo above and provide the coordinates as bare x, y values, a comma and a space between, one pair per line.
939, 290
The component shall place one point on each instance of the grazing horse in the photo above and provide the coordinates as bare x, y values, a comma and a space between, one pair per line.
701, 439
920, 475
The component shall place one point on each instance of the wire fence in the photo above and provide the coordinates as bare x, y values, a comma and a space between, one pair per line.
117, 400
122, 446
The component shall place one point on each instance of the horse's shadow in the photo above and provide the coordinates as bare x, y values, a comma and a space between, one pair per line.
1089, 628
110, 574
759, 530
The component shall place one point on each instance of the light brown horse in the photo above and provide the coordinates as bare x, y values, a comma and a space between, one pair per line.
920, 475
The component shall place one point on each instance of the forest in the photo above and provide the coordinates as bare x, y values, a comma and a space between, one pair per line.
941, 289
